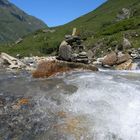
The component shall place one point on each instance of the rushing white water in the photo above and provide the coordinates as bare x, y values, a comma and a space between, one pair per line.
82, 105
111, 100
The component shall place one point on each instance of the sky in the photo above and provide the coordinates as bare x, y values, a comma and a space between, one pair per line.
57, 12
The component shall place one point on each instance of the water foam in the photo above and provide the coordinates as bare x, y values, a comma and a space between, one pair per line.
112, 105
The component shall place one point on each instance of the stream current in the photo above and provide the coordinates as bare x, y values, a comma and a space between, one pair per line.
77, 105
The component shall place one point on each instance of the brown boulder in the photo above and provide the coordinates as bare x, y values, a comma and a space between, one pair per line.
110, 59
125, 66
123, 58
49, 68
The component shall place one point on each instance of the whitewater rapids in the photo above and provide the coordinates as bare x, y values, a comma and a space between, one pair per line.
83, 105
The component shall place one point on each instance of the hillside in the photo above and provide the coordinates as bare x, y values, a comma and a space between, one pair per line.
15, 23
106, 25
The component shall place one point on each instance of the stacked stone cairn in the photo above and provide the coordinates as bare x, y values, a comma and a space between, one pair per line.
72, 49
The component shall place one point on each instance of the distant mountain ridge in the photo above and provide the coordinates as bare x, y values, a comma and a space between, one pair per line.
15, 23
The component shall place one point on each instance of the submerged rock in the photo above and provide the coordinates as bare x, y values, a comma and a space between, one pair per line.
49, 68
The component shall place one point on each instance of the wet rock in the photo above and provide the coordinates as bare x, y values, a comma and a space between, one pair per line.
110, 59
125, 66
122, 58
47, 69
16, 121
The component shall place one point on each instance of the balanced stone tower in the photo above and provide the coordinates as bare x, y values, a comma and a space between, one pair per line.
72, 49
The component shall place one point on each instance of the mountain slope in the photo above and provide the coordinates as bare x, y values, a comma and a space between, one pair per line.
101, 25
15, 23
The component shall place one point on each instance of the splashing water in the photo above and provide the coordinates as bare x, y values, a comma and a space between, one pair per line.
111, 99
80, 105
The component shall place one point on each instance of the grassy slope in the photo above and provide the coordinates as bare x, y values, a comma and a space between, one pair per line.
95, 25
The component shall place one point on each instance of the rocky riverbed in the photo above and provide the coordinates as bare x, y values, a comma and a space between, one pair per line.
29, 107
70, 106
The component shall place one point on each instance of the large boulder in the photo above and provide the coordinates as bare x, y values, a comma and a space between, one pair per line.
49, 68
110, 59
125, 66
122, 58
65, 51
